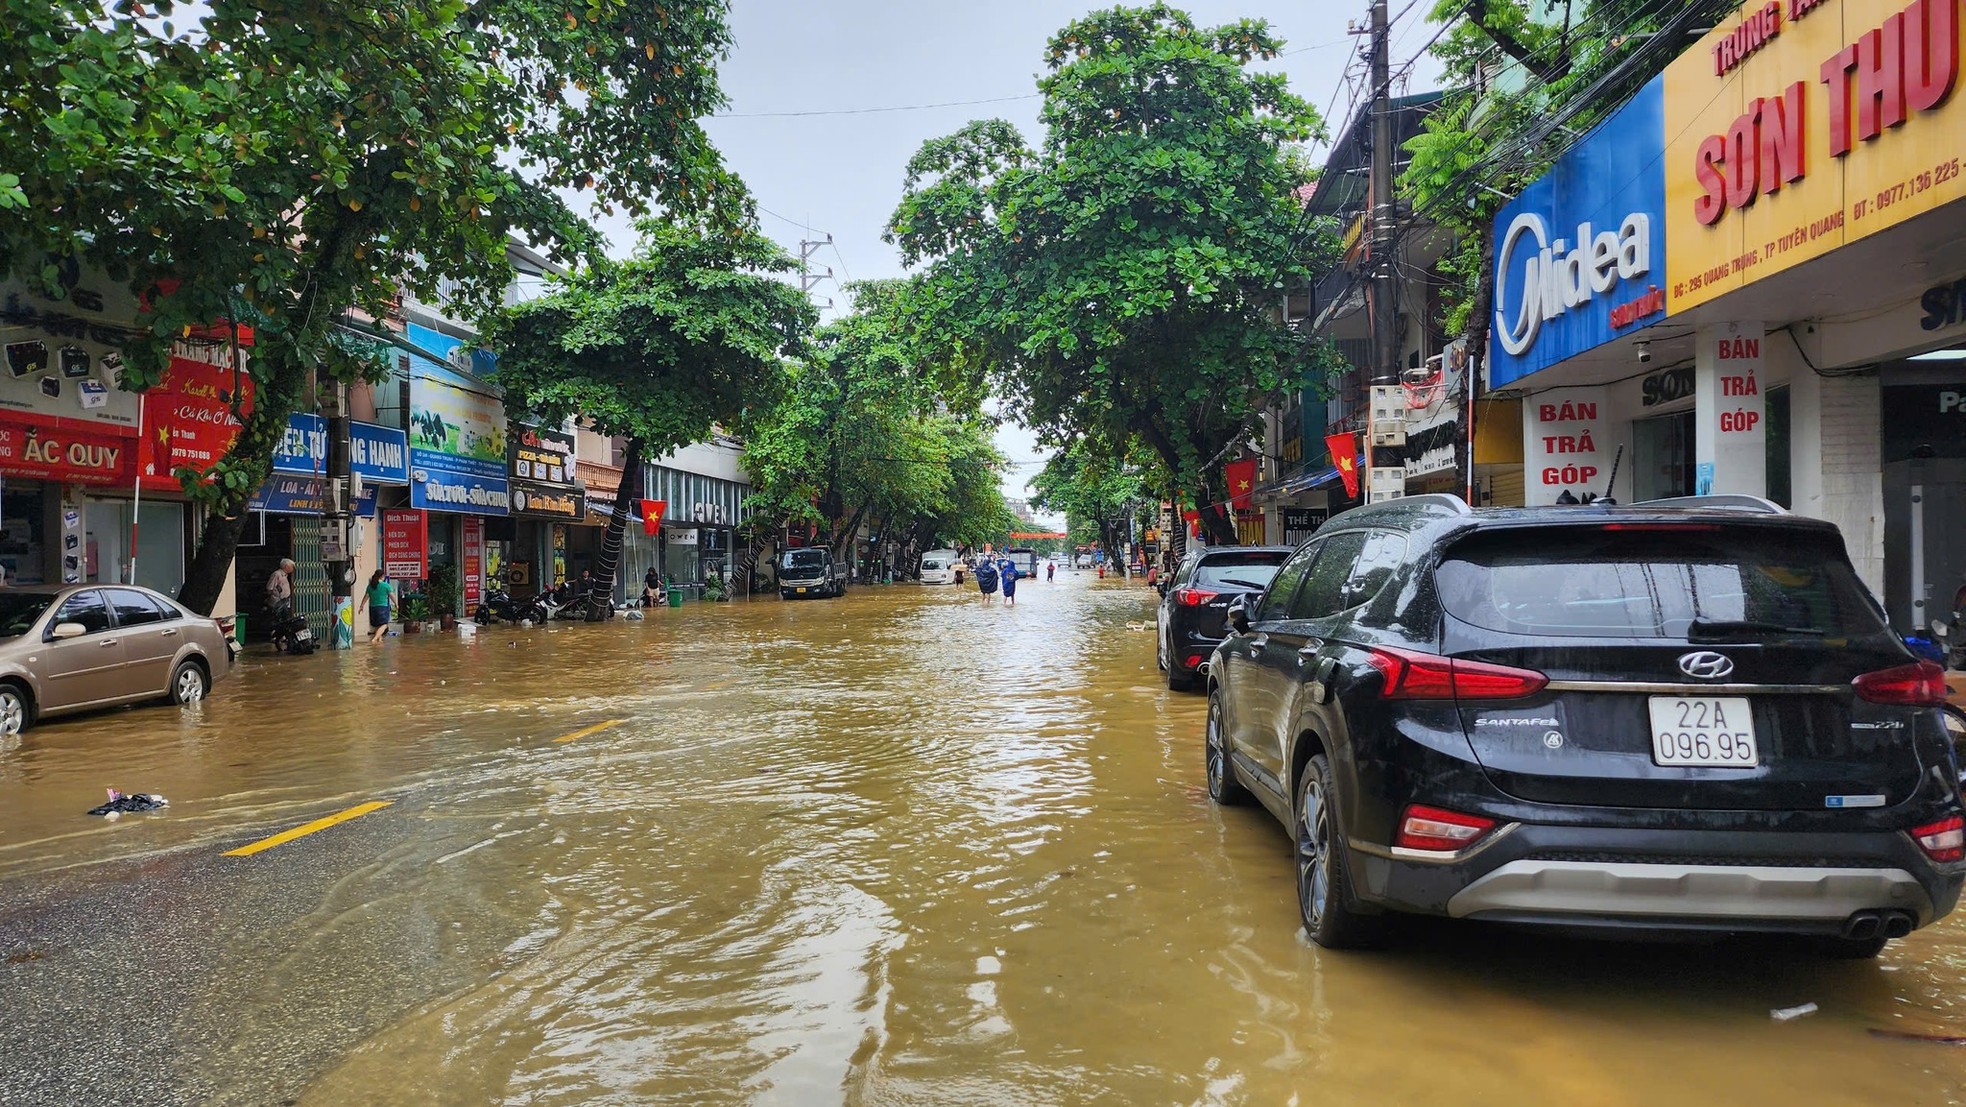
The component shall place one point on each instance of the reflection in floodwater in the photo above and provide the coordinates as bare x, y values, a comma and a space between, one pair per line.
898, 848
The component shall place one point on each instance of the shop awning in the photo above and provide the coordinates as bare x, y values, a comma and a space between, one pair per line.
1291, 486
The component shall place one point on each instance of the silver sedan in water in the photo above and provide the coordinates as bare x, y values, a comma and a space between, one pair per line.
67, 649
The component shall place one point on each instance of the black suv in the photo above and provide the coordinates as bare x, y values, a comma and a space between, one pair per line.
1195, 601
1686, 714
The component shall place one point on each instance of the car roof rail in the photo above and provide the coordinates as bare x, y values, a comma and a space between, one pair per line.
1730, 501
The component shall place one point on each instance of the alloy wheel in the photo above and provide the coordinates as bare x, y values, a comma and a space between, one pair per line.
13, 712
1313, 854
1218, 755
190, 685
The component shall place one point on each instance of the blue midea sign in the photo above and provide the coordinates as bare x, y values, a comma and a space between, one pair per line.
1580, 254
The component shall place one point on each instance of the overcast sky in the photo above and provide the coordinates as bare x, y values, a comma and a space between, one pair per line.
841, 172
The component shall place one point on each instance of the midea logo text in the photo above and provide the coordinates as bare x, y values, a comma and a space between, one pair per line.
1553, 277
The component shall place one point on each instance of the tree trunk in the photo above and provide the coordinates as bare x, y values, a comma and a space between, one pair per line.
842, 541
260, 433
600, 601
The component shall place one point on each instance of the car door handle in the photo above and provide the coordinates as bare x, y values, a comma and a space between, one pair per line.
107, 642
170, 634
1257, 643
1309, 650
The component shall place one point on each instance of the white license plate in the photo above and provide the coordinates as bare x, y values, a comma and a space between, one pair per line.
303, 634
1703, 731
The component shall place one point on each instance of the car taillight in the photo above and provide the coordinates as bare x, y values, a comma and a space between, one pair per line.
1193, 597
1922, 684
1944, 840
1426, 676
1438, 830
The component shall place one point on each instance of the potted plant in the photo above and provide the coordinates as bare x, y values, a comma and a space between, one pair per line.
415, 610
442, 593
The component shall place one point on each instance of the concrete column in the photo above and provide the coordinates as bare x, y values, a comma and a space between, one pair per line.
1730, 425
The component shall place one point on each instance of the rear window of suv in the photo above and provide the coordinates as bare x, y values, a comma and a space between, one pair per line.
1600, 582
1253, 569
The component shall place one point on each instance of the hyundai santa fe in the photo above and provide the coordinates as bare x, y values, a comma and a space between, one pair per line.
1686, 715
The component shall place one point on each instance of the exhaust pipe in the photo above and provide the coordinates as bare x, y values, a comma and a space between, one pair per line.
1897, 925
1863, 926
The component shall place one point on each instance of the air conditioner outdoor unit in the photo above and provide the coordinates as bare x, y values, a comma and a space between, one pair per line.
1387, 483
1388, 425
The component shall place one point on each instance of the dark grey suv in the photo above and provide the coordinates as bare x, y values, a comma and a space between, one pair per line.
1685, 715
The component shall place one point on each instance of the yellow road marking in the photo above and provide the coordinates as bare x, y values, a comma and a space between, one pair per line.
585, 731
303, 830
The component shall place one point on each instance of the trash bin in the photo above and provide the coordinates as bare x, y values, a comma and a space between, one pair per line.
675, 597
239, 629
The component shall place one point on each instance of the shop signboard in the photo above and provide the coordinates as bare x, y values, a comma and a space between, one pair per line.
541, 471
405, 544
188, 418
1924, 415
1568, 445
291, 494
46, 452
61, 356
376, 454
379, 454
473, 575
1580, 254
456, 434
1802, 126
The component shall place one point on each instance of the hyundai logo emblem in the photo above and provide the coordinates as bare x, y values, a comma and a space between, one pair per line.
1705, 665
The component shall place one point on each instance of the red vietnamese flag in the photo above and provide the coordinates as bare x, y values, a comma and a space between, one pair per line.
1242, 482
652, 515
1344, 454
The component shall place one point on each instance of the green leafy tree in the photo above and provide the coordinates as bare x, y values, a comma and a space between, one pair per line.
1122, 279
1096, 492
876, 426
657, 349
294, 162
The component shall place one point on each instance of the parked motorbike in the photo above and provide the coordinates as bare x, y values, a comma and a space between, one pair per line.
292, 635
500, 607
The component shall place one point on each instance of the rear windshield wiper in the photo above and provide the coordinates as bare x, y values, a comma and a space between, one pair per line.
1244, 583
1723, 628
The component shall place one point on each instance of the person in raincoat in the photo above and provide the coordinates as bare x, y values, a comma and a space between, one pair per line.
986, 580
1007, 572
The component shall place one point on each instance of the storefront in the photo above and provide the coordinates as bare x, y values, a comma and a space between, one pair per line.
549, 510
286, 512
457, 453
1773, 305
699, 523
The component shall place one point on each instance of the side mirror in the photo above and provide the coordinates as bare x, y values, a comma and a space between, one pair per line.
67, 630
1239, 614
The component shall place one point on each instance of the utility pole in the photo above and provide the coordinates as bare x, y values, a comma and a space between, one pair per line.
808, 278
1385, 424
337, 537
1385, 291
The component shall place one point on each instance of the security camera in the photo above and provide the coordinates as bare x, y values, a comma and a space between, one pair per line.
1644, 352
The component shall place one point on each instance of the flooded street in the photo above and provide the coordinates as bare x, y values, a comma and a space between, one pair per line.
901, 848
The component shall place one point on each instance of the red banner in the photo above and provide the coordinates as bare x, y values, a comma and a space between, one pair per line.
187, 418
1344, 454
652, 512
52, 452
474, 561
1242, 481
405, 544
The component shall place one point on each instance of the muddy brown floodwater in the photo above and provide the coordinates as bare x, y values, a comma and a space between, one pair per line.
900, 848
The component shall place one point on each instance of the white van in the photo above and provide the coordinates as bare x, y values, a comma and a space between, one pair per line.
940, 567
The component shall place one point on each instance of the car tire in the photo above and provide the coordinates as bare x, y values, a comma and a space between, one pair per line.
1160, 652
16, 710
188, 683
1223, 787
1324, 887
1178, 681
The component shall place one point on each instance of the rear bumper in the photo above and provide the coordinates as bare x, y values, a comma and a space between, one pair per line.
1704, 880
